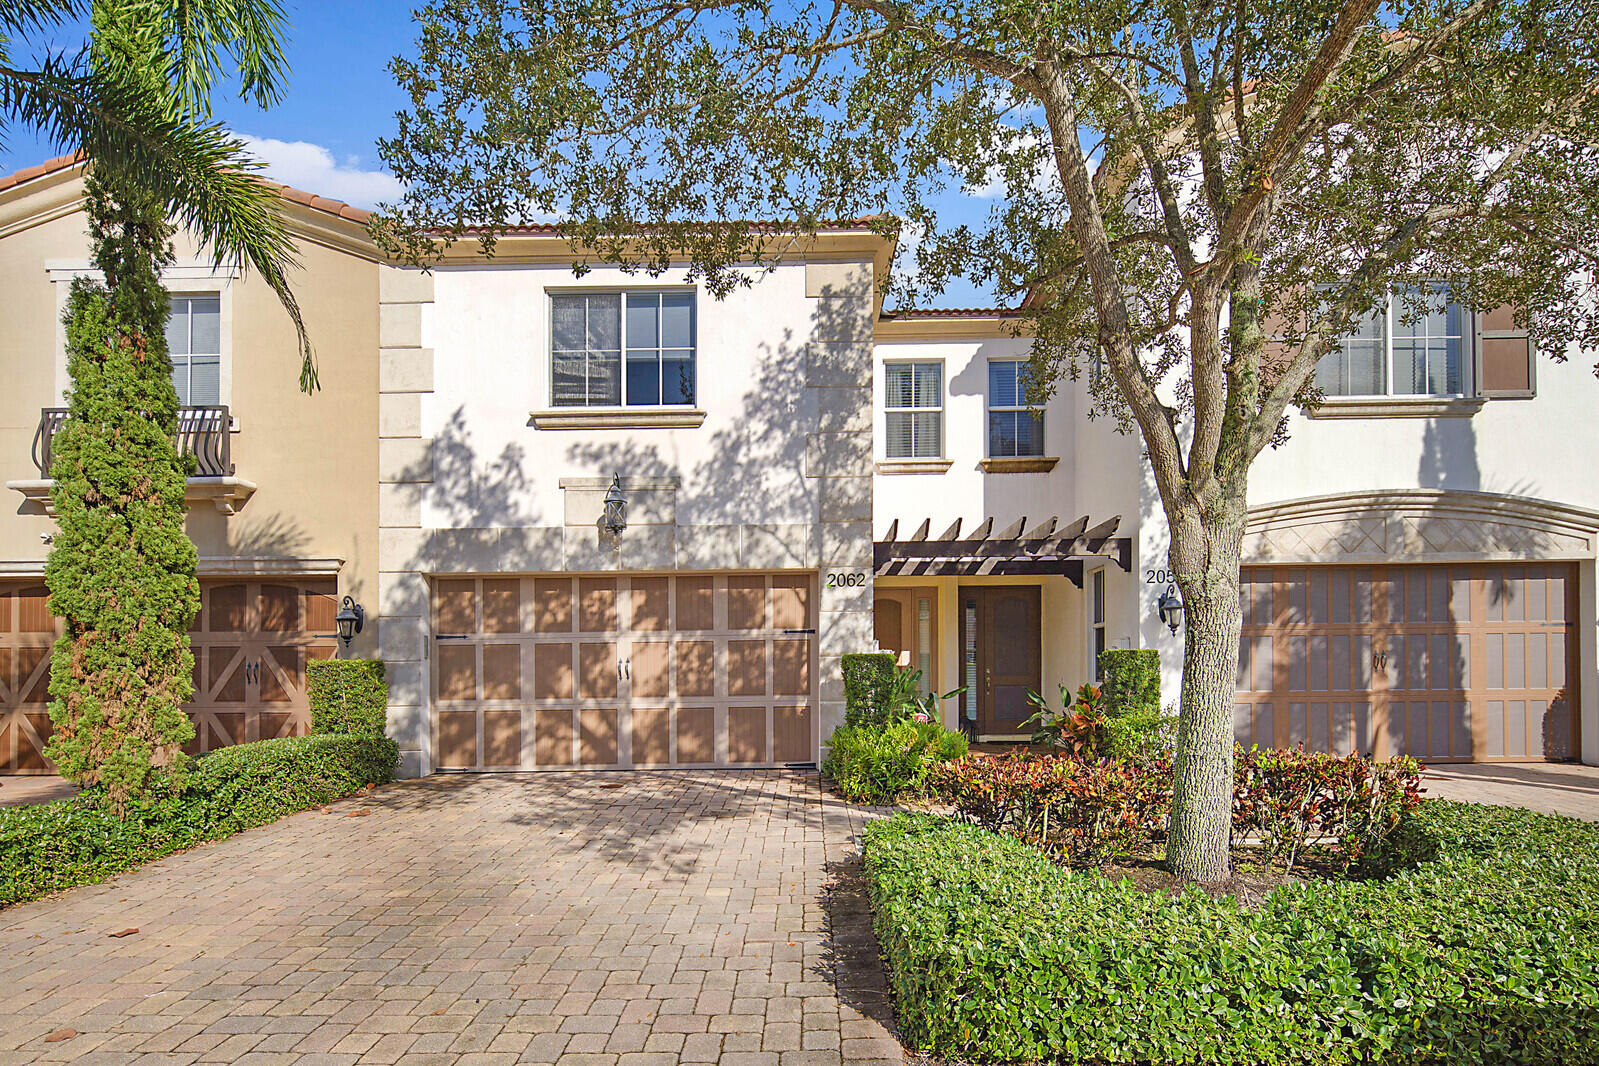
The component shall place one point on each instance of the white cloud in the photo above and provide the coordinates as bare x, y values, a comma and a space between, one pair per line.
313, 169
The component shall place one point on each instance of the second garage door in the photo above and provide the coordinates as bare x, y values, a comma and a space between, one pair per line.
607, 672
1441, 662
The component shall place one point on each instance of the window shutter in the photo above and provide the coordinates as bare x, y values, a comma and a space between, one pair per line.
1505, 354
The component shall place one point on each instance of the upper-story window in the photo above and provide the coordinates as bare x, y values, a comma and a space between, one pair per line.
194, 340
914, 402
1417, 344
610, 349
1014, 427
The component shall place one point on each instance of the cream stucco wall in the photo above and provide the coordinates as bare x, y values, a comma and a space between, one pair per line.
313, 459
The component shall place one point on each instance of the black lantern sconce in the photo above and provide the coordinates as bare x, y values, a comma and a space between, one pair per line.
350, 619
1170, 607
615, 520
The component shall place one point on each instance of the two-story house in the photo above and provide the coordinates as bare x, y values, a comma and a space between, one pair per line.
283, 503
611, 521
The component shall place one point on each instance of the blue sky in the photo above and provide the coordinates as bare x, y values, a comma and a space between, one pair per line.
341, 98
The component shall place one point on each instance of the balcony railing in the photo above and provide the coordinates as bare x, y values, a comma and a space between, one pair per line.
202, 433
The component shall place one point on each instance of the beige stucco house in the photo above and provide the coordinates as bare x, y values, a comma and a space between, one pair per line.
284, 507
805, 475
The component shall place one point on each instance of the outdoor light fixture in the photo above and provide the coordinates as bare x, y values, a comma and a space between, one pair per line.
349, 620
1171, 608
615, 520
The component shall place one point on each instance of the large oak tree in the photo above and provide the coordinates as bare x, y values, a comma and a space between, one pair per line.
1179, 177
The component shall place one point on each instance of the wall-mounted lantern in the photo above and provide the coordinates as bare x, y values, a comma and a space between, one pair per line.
1170, 607
615, 520
350, 619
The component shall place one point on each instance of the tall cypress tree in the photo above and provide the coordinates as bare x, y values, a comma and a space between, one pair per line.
121, 571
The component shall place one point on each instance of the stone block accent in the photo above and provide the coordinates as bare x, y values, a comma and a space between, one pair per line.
405, 460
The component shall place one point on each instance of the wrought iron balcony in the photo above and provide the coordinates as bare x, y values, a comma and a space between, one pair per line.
202, 433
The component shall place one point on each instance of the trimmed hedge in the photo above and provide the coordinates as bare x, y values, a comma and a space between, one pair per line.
77, 841
1482, 948
868, 681
347, 696
878, 765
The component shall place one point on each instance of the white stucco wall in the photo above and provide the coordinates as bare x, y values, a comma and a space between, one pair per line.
489, 328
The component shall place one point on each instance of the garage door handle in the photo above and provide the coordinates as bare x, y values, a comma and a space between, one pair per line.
624, 669
797, 632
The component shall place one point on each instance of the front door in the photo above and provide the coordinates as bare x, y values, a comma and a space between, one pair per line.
1001, 657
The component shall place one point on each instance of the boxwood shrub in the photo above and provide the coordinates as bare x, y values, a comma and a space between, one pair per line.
878, 765
868, 678
347, 696
78, 841
1482, 946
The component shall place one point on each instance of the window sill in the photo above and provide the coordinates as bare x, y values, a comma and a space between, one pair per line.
1399, 407
618, 418
1021, 464
914, 466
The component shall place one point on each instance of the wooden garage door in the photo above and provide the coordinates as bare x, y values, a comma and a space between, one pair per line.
27, 631
604, 672
1446, 663
251, 642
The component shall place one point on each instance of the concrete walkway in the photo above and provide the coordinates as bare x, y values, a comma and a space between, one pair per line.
1550, 787
634, 919
16, 790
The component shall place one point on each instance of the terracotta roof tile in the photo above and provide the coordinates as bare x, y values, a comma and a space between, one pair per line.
299, 196
954, 312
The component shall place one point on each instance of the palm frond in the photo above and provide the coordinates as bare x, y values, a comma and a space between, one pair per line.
24, 16
199, 171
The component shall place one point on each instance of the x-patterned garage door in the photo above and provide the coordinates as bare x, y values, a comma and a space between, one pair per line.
601, 672
27, 631
1440, 662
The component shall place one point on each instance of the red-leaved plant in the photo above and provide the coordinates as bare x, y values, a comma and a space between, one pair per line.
1087, 811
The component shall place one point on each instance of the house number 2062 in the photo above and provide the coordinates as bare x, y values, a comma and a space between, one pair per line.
850, 579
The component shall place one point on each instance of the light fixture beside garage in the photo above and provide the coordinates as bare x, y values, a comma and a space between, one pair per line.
615, 520
1170, 607
350, 619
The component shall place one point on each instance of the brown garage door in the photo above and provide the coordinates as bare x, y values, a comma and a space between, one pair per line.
251, 642
601, 672
1440, 662
27, 632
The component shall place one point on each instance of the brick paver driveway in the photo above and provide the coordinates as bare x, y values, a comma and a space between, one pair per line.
590, 920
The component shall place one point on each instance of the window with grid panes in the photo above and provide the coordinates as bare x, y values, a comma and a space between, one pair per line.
914, 408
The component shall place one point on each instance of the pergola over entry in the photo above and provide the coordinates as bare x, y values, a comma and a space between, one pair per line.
1045, 548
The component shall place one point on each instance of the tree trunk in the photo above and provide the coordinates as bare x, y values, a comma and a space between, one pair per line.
1205, 557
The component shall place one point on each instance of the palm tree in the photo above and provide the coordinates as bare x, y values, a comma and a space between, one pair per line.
134, 102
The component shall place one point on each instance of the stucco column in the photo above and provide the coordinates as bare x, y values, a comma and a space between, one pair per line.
838, 465
405, 470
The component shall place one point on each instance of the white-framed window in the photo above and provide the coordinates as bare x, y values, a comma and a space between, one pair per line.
1417, 344
914, 403
613, 349
194, 341
1014, 428
1096, 623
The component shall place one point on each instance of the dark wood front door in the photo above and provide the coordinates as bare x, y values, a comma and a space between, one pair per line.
1001, 656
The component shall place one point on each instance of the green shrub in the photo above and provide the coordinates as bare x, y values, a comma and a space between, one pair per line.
1134, 725
78, 841
1488, 952
868, 686
347, 696
878, 765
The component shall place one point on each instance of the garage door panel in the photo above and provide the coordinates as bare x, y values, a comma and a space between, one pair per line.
696, 603
553, 737
596, 671
552, 605
791, 734
746, 668
746, 603
552, 671
597, 736
651, 668
457, 739
696, 668
696, 735
502, 737
596, 605
502, 672
502, 605
457, 671
652, 736
651, 605
746, 735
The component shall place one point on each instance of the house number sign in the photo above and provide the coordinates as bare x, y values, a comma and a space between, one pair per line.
846, 579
